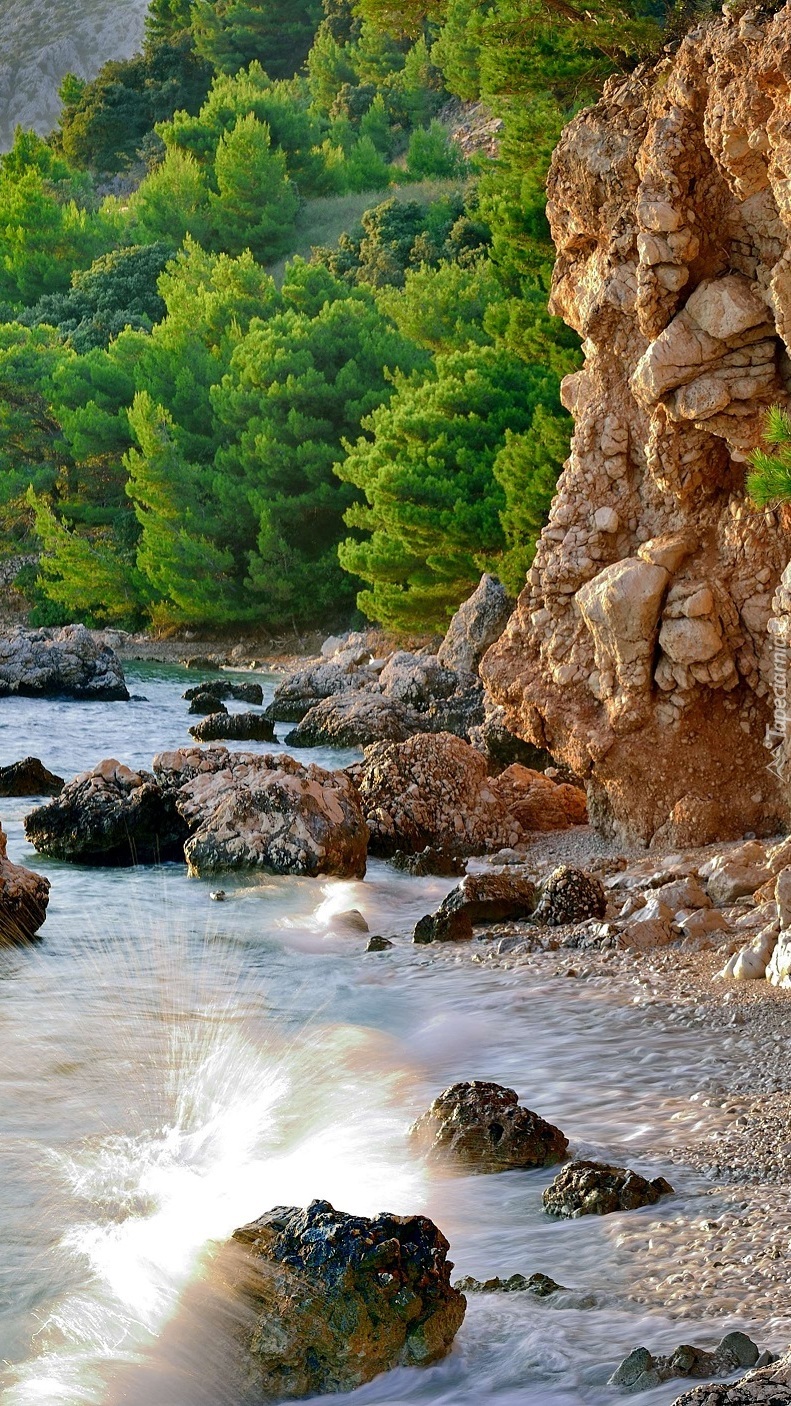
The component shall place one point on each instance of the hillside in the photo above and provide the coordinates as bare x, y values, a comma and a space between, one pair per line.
41, 40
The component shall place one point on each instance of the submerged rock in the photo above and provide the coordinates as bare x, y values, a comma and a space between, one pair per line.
337, 1299
432, 790
111, 815
234, 727
540, 1285
570, 896
354, 719
479, 898
641, 1370
481, 1127
597, 1189
249, 810
24, 896
63, 662
29, 778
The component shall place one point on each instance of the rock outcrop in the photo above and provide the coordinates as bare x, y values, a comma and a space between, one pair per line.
597, 1189
477, 624
29, 778
479, 898
24, 896
355, 719
247, 692
336, 1299
321, 678
570, 896
63, 662
248, 810
234, 727
642, 1370
768, 1385
639, 653
111, 815
480, 1127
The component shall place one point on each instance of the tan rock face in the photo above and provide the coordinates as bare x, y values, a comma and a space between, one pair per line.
640, 652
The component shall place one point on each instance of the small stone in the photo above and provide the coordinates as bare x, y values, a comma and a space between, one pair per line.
379, 944
218, 895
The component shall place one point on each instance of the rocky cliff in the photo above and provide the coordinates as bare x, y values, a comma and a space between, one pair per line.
640, 652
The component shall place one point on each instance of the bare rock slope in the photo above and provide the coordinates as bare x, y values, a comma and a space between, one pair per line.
640, 652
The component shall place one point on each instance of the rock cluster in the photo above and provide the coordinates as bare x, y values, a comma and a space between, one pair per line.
336, 1299
24, 897
481, 1127
639, 652
597, 1189
110, 815
29, 778
642, 1370
250, 810
539, 1285
59, 662
247, 692
768, 1385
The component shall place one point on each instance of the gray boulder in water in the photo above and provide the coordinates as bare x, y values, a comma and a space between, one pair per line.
111, 815
482, 1126
24, 896
236, 727
334, 1300
65, 662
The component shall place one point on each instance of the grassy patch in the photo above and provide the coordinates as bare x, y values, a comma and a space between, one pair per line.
323, 221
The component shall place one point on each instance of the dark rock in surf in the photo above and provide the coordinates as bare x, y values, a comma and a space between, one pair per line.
205, 702
481, 1126
202, 661
539, 1285
479, 898
598, 1189
65, 662
337, 1299
24, 896
247, 692
379, 944
769, 1384
111, 815
641, 1370
570, 896
429, 862
29, 778
234, 727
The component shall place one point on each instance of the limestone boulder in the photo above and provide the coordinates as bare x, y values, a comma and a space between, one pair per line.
751, 961
570, 895
598, 1189
322, 678
246, 692
65, 662
249, 810
24, 897
736, 873
333, 1300
643, 1370
29, 778
766, 1385
642, 651
417, 680
204, 703
355, 719
481, 1127
110, 815
538, 802
432, 790
478, 622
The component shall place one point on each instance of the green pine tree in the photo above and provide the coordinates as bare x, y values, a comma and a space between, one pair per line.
769, 484
230, 34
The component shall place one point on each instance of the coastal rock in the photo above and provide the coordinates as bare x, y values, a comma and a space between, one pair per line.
538, 802
481, 1127
338, 1299
460, 713
642, 651
354, 719
111, 815
63, 662
500, 746
24, 896
540, 1285
432, 790
597, 1189
646, 934
429, 861
29, 778
416, 680
751, 961
246, 692
767, 1385
479, 898
478, 622
736, 873
322, 678
570, 896
379, 944
249, 810
203, 703
234, 727
641, 1370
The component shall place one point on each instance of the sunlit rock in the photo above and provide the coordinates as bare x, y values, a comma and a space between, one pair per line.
481, 1127
65, 661
24, 896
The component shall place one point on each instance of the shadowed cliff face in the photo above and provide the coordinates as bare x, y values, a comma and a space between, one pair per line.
43, 40
639, 651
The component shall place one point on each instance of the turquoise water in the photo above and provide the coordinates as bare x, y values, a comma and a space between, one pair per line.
172, 1067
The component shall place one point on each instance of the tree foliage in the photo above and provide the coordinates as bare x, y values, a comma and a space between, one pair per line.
769, 484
